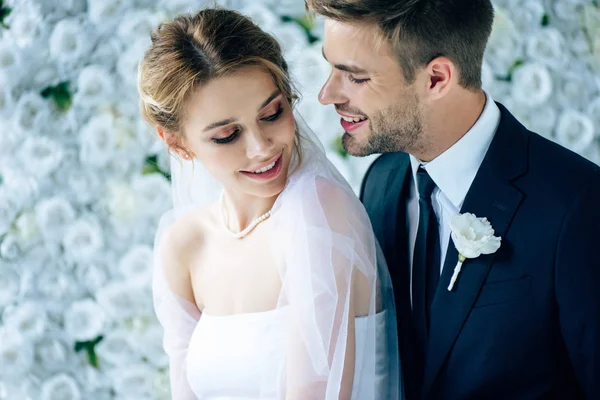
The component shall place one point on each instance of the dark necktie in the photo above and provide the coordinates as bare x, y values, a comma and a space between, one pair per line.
426, 260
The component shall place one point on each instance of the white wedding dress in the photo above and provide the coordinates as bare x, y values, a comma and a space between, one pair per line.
229, 355
324, 240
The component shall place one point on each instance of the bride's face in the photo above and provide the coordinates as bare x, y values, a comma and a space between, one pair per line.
241, 128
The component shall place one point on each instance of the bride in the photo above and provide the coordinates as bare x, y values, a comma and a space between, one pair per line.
267, 277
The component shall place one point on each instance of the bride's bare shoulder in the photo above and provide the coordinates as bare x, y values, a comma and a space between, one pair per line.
179, 246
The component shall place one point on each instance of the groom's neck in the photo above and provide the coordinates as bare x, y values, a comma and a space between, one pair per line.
448, 120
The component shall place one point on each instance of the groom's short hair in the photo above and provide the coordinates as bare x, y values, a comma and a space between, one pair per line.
421, 30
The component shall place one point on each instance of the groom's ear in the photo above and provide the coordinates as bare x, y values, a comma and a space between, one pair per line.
441, 75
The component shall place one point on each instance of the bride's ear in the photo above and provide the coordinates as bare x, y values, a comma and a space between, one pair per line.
175, 143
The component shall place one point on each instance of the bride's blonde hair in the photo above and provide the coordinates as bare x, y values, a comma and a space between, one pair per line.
190, 50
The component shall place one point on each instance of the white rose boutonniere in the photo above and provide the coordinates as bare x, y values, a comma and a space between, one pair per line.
472, 237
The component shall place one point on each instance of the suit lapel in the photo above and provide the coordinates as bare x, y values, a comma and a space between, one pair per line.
493, 196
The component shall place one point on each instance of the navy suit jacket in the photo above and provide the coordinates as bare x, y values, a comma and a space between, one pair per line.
523, 323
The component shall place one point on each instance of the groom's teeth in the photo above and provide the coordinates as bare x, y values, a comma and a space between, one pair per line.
354, 120
265, 169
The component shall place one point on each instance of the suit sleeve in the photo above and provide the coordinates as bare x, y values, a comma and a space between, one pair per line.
577, 274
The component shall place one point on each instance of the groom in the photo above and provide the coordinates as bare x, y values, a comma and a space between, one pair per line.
522, 322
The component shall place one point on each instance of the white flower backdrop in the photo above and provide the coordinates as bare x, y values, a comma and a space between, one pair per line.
83, 180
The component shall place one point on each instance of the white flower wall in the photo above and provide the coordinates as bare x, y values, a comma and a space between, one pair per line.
83, 179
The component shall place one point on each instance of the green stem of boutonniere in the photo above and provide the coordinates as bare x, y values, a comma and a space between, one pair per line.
461, 260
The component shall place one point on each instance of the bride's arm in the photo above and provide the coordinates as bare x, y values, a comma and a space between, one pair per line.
175, 306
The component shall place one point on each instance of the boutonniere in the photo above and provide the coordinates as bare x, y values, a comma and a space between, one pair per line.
472, 237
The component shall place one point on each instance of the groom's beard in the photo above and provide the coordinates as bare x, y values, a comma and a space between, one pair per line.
397, 128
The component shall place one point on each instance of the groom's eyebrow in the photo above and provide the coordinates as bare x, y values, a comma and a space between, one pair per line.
353, 69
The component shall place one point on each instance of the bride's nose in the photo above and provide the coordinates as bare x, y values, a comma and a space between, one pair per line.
260, 145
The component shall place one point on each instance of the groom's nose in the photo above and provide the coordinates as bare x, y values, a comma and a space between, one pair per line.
331, 92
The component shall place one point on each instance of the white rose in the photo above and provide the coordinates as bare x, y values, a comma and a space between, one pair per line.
92, 276
547, 46
10, 59
311, 71
473, 236
593, 110
529, 16
127, 65
9, 209
53, 216
133, 381
26, 24
7, 102
136, 264
51, 353
60, 386
69, 42
532, 85
261, 15
84, 186
139, 25
84, 320
122, 203
16, 354
154, 192
149, 344
26, 227
567, 10
503, 44
83, 239
56, 285
29, 319
98, 141
107, 10
95, 85
40, 156
115, 348
10, 285
542, 120
31, 114
575, 130
176, 7
292, 39
119, 300
9, 247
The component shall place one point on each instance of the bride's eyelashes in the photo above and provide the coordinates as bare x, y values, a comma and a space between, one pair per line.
269, 118
357, 81
227, 139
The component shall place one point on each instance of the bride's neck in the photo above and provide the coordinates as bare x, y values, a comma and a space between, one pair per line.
242, 209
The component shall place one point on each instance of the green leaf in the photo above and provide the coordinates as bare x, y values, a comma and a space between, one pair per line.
1, 180
596, 3
151, 167
60, 94
305, 22
4, 12
339, 147
508, 77
545, 20
90, 348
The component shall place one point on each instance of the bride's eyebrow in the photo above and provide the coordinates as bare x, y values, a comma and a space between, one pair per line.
269, 99
232, 120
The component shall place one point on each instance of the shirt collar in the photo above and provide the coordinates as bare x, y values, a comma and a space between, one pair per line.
454, 170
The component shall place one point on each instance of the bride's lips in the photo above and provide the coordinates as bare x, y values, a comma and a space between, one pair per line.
352, 126
267, 175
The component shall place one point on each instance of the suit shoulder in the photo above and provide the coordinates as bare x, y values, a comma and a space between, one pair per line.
559, 164
382, 165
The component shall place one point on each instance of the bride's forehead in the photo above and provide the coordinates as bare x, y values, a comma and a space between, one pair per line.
244, 89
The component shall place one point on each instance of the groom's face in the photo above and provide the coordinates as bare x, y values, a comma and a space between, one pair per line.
379, 110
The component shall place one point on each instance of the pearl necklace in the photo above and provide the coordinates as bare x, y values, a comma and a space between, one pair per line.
248, 229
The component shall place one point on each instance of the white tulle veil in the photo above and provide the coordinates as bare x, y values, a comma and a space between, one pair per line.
326, 240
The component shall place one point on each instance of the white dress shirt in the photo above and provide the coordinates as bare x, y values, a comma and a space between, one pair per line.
453, 172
